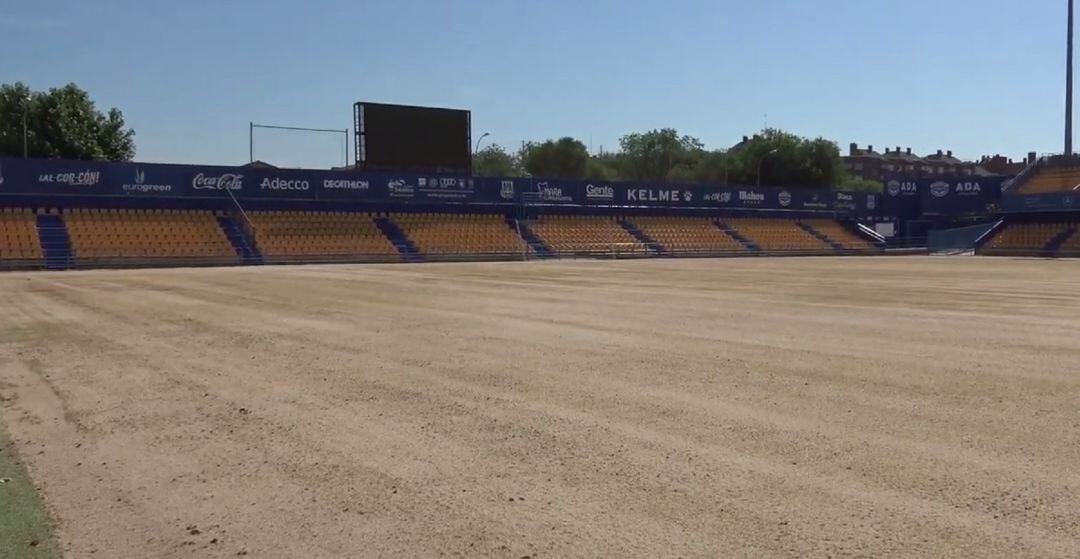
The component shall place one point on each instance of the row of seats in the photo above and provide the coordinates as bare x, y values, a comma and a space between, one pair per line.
578, 234
838, 233
18, 235
98, 234
692, 234
777, 234
130, 212
300, 234
437, 234
687, 234
1052, 180
157, 233
1027, 236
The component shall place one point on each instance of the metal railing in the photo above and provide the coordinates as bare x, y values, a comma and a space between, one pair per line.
1021, 177
12, 264
906, 245
600, 251
1027, 252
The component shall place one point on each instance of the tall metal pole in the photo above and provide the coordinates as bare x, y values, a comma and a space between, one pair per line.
725, 168
1069, 87
760, 161
251, 142
25, 112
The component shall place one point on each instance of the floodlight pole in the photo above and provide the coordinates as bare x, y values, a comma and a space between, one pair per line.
1069, 86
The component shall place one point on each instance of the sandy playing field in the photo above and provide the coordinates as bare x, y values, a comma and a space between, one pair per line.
693, 408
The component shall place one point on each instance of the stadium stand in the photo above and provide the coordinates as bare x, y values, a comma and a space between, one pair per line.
583, 234
1027, 238
687, 235
147, 234
777, 234
1052, 180
839, 234
461, 234
88, 237
288, 235
18, 235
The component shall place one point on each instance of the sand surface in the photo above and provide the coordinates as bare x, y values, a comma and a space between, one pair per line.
783, 407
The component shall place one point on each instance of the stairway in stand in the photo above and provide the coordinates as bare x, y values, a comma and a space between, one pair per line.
1054, 245
245, 248
651, 244
734, 234
400, 240
821, 236
536, 243
55, 242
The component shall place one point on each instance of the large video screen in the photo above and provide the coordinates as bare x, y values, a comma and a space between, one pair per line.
400, 137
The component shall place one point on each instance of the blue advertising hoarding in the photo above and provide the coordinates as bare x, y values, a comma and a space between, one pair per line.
152, 180
52, 177
901, 198
911, 198
857, 204
960, 196
1048, 202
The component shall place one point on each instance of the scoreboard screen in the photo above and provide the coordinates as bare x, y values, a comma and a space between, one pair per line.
405, 138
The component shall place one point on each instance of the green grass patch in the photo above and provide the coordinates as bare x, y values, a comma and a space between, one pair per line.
25, 528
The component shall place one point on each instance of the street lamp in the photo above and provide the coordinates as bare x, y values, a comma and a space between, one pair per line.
26, 111
760, 161
482, 136
725, 168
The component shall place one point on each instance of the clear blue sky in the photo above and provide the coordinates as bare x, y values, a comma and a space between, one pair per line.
975, 76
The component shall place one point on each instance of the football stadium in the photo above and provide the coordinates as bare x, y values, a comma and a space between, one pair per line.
404, 357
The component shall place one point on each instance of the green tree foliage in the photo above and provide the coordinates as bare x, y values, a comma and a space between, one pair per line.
714, 167
61, 122
494, 161
683, 173
565, 158
786, 160
666, 156
659, 155
603, 167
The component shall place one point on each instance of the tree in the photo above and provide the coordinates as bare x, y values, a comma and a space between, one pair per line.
786, 160
682, 173
603, 167
62, 123
714, 167
494, 161
820, 163
654, 155
565, 158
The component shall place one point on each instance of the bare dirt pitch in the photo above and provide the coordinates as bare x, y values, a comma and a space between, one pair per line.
705, 408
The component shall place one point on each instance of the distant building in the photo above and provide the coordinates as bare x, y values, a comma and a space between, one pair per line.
864, 163
1001, 165
870, 165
